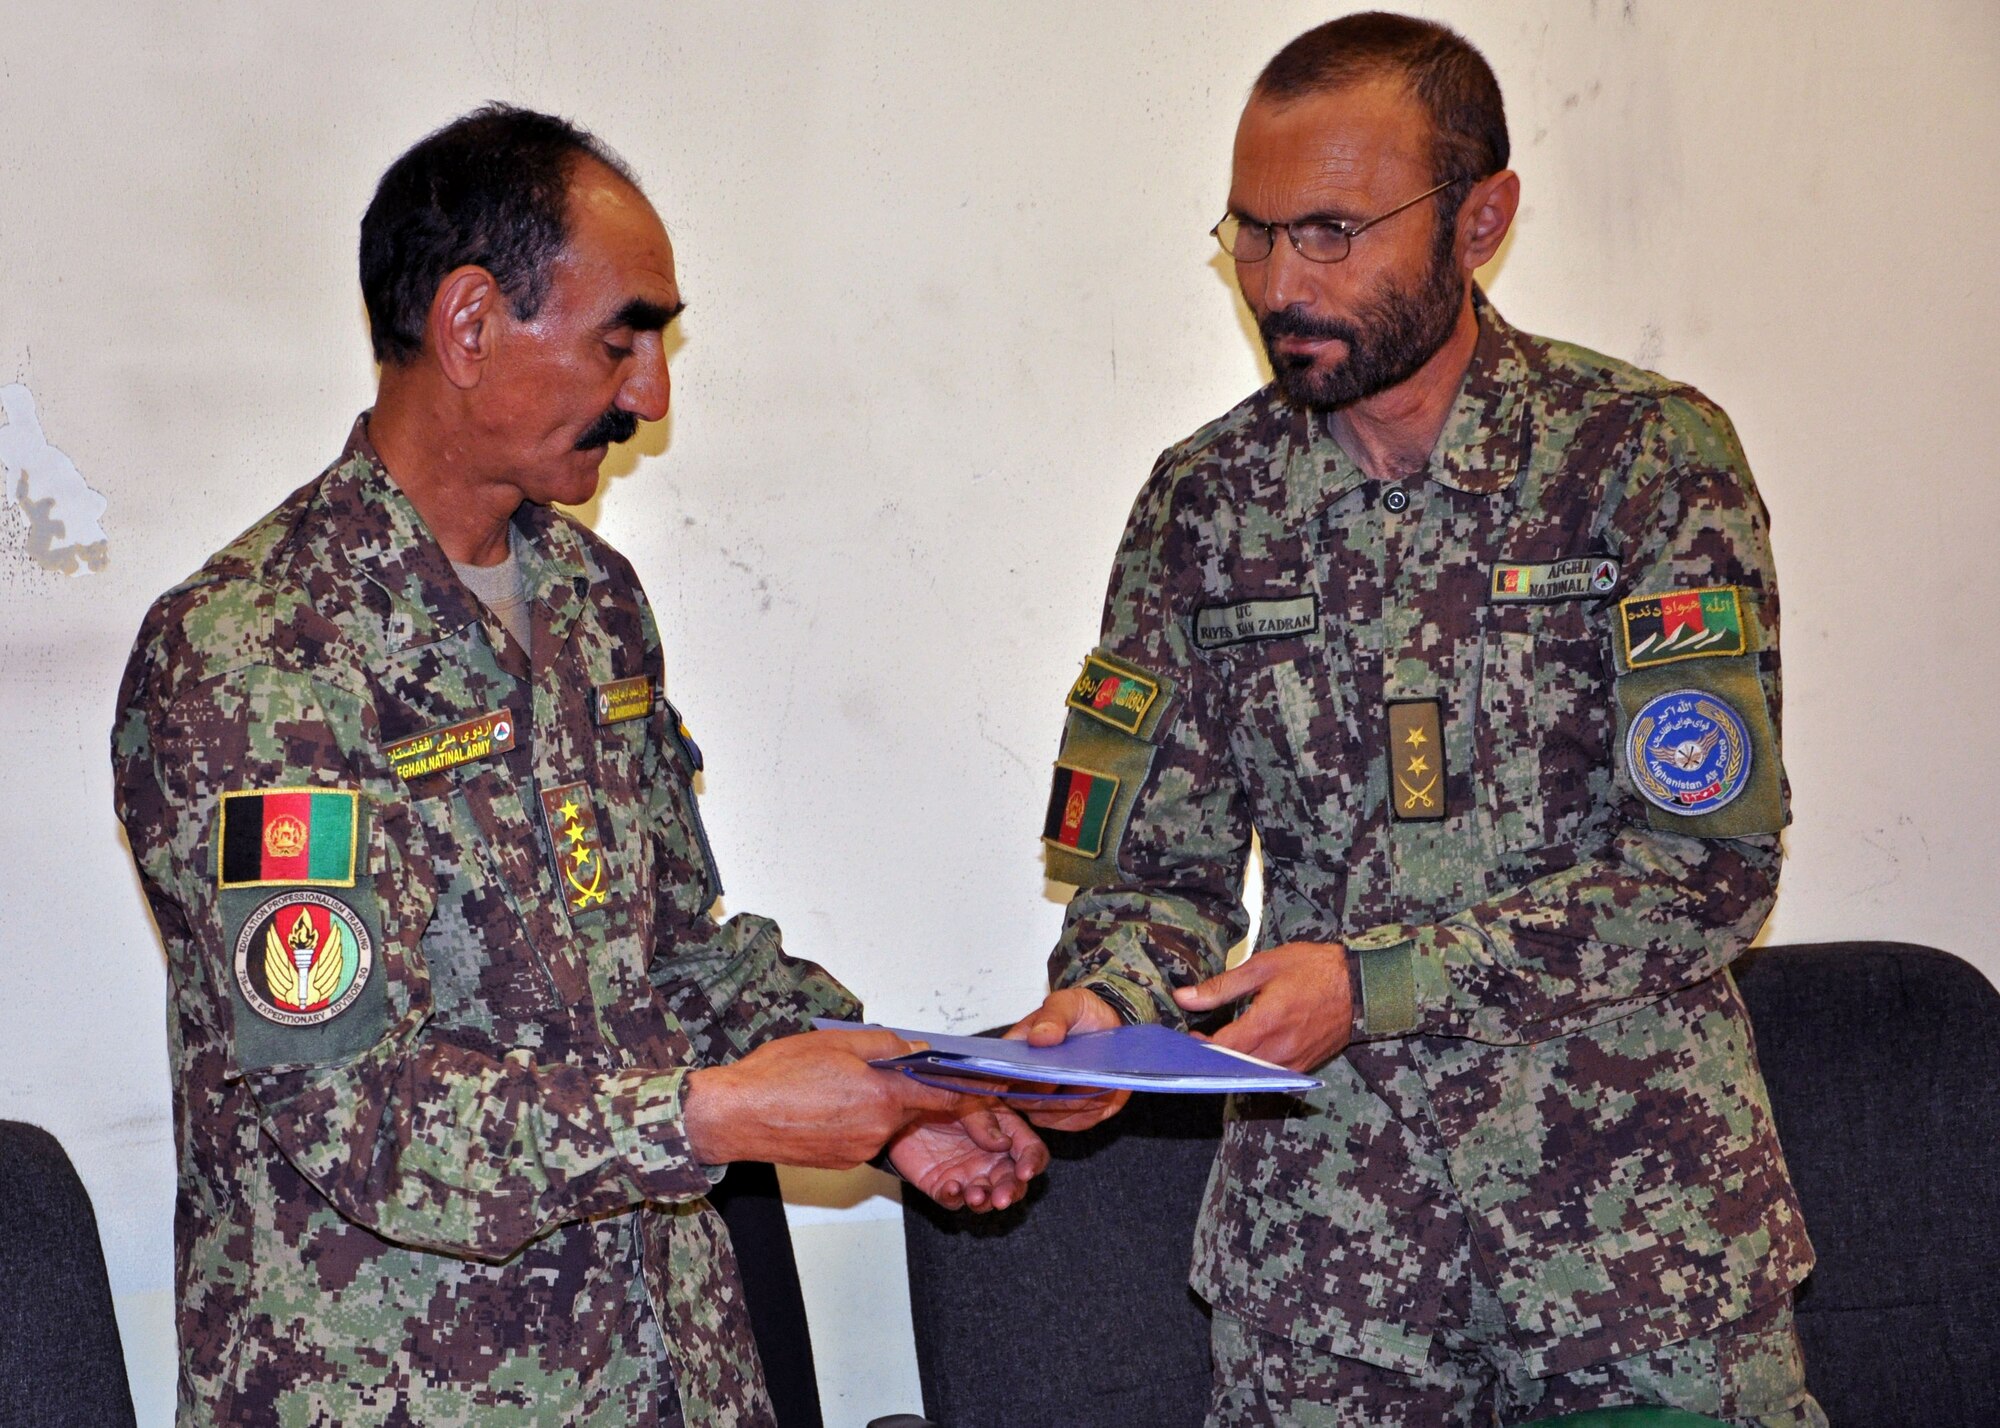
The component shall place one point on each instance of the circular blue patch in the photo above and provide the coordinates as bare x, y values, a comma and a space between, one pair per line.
1689, 752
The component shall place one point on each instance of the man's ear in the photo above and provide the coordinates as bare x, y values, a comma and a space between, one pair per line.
464, 323
1485, 217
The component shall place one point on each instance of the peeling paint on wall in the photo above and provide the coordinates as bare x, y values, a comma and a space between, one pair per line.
63, 513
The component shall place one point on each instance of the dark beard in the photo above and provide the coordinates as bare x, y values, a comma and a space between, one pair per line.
1394, 336
608, 430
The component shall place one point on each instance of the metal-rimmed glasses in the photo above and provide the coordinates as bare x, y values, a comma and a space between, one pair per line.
1317, 240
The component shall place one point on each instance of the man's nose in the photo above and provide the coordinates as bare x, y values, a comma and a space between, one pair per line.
648, 391
1289, 279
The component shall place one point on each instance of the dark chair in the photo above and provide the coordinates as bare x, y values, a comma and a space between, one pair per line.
61, 1365
1883, 1062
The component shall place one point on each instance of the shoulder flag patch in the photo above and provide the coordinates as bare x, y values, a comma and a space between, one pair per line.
1681, 624
1117, 696
299, 837
1079, 805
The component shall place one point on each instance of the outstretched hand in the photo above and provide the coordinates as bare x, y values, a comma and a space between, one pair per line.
1069, 1010
981, 1161
1301, 1008
811, 1099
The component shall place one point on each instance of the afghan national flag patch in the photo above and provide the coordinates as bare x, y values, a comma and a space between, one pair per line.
1079, 806
300, 837
1117, 696
1681, 624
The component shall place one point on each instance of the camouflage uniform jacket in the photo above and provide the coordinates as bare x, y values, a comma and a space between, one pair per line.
438, 1177
1552, 1074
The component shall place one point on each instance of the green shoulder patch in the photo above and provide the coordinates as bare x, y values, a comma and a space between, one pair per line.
1118, 694
1700, 748
305, 979
1681, 624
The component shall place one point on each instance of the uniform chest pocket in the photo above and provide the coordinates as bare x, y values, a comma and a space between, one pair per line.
1293, 707
1545, 718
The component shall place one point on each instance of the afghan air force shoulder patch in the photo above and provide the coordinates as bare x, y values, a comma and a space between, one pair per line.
302, 958
1688, 752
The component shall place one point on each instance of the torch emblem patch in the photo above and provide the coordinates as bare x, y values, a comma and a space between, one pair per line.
302, 958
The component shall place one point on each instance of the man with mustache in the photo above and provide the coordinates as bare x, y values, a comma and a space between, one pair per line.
1430, 616
459, 1047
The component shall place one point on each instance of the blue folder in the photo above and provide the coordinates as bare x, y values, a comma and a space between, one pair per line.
1127, 1058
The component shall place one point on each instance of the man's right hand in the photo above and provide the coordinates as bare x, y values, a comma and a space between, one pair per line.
810, 1099
1071, 1009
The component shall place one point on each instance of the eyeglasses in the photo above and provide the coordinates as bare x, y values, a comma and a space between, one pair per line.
1318, 240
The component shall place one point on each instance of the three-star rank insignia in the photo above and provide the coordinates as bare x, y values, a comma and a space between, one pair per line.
1416, 760
575, 846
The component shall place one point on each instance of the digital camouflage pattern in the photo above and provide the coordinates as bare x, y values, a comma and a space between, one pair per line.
1552, 1071
1747, 1373
467, 1198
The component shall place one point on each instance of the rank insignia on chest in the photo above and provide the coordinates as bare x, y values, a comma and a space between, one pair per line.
1580, 578
624, 699
455, 744
575, 846
1416, 760
1117, 696
1681, 624
300, 837
1079, 805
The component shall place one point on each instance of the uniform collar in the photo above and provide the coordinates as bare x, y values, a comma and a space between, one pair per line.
1481, 450
386, 539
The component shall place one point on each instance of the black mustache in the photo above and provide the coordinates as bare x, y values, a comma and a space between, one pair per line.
608, 430
1290, 322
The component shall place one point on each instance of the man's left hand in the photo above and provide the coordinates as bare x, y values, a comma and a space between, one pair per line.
982, 1161
1301, 1010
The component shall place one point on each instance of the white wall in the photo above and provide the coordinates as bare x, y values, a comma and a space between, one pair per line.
950, 292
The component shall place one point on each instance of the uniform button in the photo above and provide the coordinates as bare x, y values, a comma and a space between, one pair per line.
1395, 499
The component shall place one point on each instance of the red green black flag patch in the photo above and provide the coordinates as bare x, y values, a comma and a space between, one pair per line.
1682, 624
1117, 696
300, 837
1079, 805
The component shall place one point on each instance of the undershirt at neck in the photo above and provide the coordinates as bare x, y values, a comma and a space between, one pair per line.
502, 589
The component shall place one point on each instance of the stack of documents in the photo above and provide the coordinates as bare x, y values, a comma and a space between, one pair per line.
1127, 1058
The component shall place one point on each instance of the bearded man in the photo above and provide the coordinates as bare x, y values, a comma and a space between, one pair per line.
1477, 633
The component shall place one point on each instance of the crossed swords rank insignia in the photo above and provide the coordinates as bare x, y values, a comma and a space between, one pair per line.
1416, 760
575, 847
